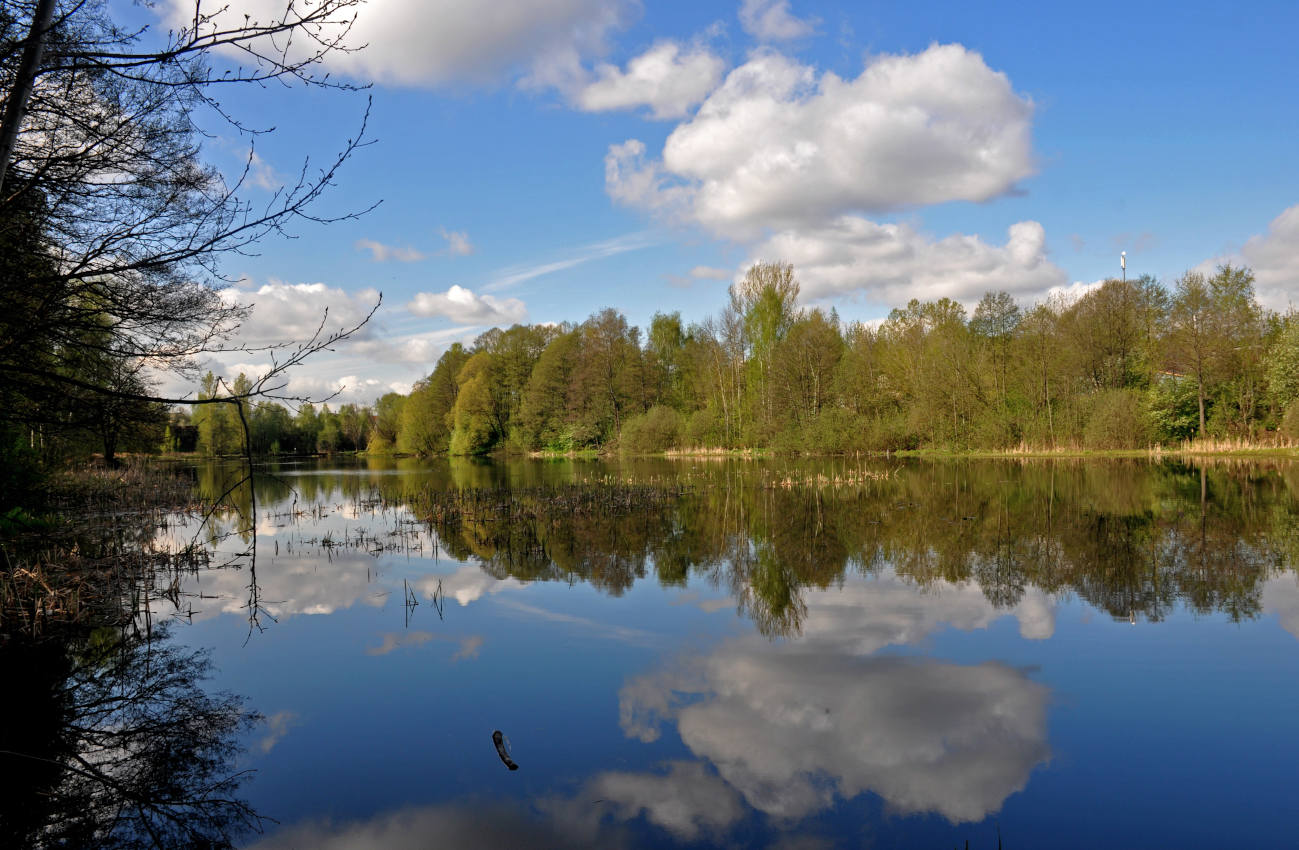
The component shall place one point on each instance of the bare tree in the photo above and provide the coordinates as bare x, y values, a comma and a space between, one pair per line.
112, 227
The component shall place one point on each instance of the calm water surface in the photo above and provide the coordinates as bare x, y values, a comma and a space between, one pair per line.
773, 654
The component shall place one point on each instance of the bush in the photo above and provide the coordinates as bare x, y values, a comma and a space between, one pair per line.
378, 445
655, 430
701, 430
1290, 422
1174, 409
1119, 420
832, 430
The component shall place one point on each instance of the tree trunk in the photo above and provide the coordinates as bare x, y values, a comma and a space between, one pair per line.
1199, 383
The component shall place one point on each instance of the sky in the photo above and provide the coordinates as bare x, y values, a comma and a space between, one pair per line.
540, 160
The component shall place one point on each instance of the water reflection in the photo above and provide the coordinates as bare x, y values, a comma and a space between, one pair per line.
822, 701
115, 743
1133, 539
794, 726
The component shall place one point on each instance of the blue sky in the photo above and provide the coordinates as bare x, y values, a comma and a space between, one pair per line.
555, 158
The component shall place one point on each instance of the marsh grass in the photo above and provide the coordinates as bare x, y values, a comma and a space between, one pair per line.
91, 548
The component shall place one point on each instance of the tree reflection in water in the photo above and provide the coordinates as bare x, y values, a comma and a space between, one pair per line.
112, 741
1132, 539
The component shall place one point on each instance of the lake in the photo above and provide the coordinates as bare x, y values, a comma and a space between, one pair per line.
779, 653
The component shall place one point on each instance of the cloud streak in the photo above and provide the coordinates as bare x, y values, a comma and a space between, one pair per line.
515, 275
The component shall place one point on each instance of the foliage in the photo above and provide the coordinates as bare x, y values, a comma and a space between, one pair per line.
1123, 365
1290, 422
1118, 421
655, 430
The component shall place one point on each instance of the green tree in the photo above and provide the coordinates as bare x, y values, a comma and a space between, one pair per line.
766, 303
543, 413
426, 415
995, 320
1215, 337
477, 418
608, 381
1283, 364
387, 422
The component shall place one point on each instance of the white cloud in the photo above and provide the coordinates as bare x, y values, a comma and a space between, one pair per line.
423, 347
776, 146
262, 175
445, 42
381, 253
1072, 292
458, 244
465, 307
770, 20
892, 263
287, 312
709, 273
666, 78
1274, 257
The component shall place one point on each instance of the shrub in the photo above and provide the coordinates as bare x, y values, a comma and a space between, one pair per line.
378, 445
655, 430
1290, 422
701, 430
1119, 420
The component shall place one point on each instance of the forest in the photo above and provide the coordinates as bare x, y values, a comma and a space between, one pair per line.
1127, 365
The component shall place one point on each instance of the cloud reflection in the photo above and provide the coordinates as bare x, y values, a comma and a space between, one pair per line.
794, 726
1281, 597
467, 827
689, 801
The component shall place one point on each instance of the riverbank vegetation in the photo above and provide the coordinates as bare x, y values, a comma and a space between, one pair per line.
1128, 365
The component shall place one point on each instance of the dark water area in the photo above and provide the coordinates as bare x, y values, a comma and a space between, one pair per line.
730, 653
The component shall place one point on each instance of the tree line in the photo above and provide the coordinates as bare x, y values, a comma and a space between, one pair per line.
1128, 364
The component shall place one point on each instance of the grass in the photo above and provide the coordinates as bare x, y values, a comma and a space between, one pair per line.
88, 548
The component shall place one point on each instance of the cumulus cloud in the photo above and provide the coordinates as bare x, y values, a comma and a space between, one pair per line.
1274, 257
291, 313
778, 146
286, 312
381, 253
770, 20
892, 263
466, 307
445, 42
666, 78
458, 244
